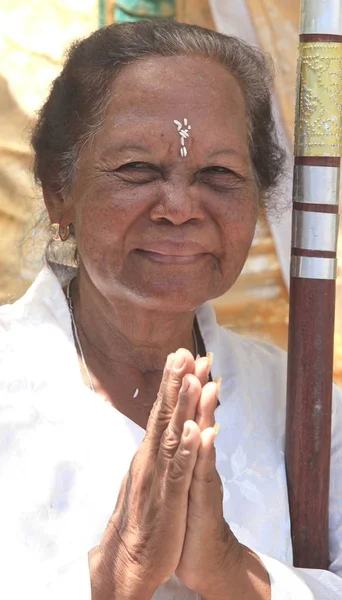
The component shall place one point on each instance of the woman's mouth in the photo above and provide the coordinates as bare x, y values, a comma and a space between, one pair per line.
171, 252
177, 259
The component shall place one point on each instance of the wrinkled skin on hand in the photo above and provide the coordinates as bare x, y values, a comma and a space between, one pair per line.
168, 516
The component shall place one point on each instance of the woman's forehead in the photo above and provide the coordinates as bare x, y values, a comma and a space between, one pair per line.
152, 98
165, 84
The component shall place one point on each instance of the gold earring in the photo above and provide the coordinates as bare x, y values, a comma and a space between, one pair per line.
60, 233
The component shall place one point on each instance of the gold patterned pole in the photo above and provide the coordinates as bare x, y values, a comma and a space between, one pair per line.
313, 273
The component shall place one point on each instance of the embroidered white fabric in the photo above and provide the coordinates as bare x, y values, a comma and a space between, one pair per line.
59, 441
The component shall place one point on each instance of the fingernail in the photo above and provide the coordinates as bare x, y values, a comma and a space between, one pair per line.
216, 429
185, 385
186, 430
179, 361
170, 359
218, 382
210, 358
198, 356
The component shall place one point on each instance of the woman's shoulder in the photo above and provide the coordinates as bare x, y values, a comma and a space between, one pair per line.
32, 330
43, 301
239, 356
268, 353
258, 370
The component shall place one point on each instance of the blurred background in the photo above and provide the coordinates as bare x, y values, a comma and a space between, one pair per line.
33, 38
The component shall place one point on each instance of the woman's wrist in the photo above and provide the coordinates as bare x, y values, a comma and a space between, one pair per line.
114, 581
249, 579
100, 577
253, 577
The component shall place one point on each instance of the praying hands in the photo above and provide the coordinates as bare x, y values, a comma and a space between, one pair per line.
169, 517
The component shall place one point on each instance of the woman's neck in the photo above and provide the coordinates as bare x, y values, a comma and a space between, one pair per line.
125, 348
123, 336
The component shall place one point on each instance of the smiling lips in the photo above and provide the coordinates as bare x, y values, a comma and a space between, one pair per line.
173, 252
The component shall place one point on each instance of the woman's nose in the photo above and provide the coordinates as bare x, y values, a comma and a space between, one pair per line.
178, 204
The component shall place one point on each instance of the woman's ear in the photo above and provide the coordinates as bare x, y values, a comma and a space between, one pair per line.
58, 206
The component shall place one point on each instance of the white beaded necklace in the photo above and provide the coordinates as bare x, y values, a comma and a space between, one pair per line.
78, 341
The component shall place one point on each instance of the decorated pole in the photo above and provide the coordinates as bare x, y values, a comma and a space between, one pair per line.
313, 274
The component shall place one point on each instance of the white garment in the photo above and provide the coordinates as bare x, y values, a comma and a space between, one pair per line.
59, 441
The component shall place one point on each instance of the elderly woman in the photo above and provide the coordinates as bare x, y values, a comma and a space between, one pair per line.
153, 150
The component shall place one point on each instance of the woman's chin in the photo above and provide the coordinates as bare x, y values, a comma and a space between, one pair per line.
165, 294
171, 299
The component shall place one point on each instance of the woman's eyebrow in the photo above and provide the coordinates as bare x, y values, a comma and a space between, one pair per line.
123, 147
229, 151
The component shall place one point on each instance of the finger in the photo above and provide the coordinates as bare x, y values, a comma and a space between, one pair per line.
185, 410
205, 464
186, 406
180, 468
155, 407
206, 452
202, 369
205, 414
177, 367
206, 488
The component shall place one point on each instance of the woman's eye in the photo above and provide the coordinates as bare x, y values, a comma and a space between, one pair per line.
219, 178
135, 165
217, 170
138, 172
138, 166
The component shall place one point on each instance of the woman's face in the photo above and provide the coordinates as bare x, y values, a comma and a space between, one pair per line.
152, 227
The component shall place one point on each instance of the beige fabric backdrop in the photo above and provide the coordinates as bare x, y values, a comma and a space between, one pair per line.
33, 37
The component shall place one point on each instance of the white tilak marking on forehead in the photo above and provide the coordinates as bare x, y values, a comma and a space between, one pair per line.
183, 131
